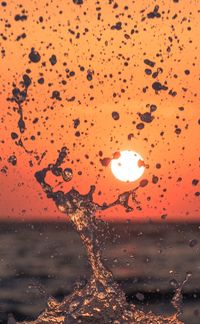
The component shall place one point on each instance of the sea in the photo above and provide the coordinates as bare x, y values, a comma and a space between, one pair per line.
149, 261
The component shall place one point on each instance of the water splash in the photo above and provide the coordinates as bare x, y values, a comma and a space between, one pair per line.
101, 300
177, 299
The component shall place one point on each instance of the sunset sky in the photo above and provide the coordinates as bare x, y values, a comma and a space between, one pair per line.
88, 63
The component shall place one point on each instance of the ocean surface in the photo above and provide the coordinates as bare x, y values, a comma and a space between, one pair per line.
149, 260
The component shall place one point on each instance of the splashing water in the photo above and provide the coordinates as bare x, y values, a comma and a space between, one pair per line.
101, 300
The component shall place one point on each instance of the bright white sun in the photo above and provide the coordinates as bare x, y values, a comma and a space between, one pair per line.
128, 167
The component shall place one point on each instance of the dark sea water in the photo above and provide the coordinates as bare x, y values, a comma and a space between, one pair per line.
39, 260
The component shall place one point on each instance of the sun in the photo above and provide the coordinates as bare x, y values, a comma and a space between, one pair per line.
128, 166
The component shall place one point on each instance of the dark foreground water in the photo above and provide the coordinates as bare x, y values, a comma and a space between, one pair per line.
148, 260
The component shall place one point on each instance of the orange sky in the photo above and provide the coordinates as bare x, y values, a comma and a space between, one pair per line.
110, 40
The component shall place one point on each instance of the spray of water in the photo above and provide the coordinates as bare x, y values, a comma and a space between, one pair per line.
101, 300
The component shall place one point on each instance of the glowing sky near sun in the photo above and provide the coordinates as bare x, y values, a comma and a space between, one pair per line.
104, 76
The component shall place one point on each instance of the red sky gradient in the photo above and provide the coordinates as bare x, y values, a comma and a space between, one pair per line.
101, 48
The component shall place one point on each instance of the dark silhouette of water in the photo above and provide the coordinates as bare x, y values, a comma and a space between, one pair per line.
39, 260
